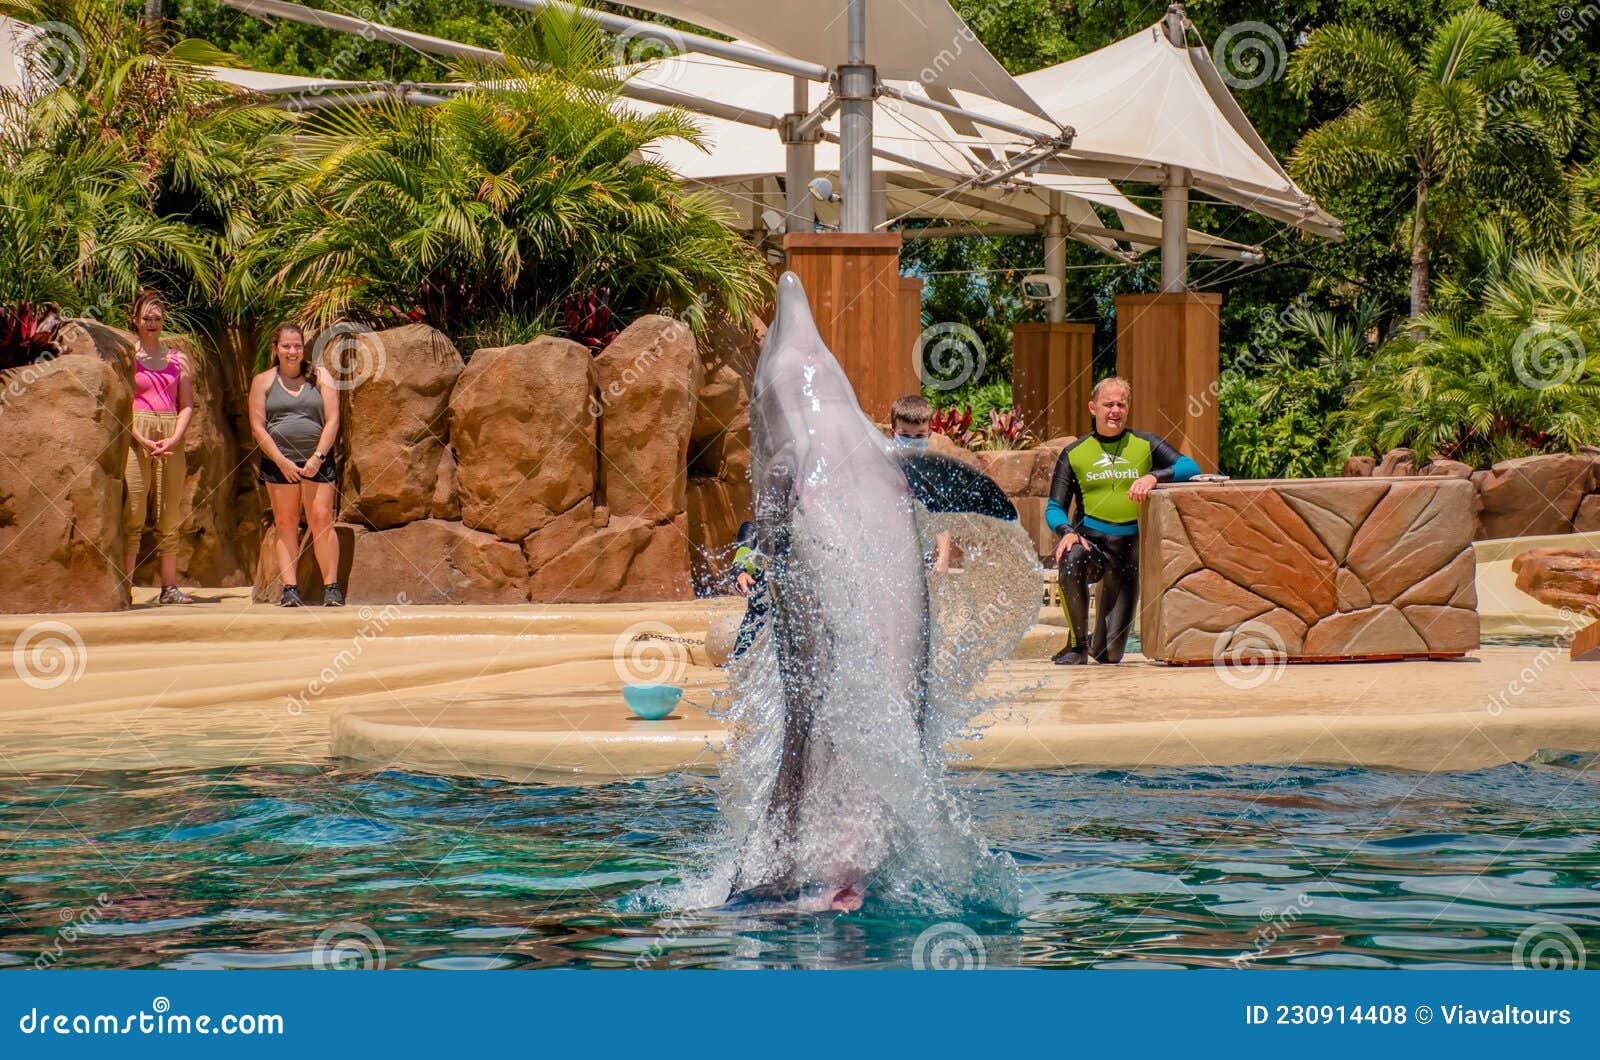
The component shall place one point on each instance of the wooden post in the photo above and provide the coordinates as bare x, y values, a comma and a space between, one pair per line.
1167, 348
1052, 369
853, 284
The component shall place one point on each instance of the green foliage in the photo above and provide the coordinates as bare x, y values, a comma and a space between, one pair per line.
139, 171
1519, 376
1281, 408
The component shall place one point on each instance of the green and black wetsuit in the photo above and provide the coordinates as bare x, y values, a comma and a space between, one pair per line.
1089, 496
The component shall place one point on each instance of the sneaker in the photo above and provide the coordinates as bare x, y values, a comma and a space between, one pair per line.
291, 597
171, 594
1070, 656
332, 596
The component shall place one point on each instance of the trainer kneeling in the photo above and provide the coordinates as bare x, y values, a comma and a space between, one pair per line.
1094, 505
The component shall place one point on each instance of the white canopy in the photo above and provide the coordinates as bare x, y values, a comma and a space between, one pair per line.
1143, 103
927, 174
907, 40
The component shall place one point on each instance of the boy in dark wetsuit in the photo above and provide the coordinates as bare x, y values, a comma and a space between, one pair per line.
1099, 482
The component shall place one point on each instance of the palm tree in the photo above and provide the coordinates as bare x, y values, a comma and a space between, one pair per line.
1520, 377
504, 200
1473, 123
132, 168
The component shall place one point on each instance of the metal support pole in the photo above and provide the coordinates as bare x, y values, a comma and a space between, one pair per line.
1055, 258
857, 80
1175, 230
800, 164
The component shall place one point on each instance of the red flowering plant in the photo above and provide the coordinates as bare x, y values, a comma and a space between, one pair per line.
1006, 431
587, 319
27, 333
956, 425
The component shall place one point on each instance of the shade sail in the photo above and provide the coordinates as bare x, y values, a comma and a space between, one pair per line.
928, 166
1143, 102
907, 40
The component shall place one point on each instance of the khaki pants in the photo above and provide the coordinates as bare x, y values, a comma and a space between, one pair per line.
154, 482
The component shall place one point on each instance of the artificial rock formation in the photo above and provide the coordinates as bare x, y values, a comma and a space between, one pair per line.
1308, 569
523, 436
1533, 495
396, 427
63, 441
1561, 577
647, 385
717, 494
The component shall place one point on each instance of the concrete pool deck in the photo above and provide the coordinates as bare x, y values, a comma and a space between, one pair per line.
534, 691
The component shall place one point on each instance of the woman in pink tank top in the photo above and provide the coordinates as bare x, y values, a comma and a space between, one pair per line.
163, 404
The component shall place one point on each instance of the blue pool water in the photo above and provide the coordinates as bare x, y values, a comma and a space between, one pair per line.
282, 868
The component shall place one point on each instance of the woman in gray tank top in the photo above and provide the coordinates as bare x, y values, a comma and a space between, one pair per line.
294, 415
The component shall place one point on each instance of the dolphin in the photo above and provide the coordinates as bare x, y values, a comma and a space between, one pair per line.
841, 718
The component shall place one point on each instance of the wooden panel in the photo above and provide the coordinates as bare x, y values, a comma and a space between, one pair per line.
1052, 371
853, 284
1167, 348
910, 328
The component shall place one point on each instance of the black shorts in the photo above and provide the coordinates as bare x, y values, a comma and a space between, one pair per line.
328, 472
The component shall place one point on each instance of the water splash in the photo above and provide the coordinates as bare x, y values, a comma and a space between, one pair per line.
842, 711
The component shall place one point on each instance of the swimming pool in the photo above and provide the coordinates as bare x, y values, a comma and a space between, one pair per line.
296, 867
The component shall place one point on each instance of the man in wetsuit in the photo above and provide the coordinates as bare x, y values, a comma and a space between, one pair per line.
750, 576
1099, 482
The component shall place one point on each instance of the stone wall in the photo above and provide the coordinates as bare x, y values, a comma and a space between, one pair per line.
539, 471
1308, 569
1530, 496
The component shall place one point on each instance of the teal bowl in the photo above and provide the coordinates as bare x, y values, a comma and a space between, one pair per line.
651, 702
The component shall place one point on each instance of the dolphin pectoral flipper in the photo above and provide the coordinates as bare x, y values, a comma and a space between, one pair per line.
944, 484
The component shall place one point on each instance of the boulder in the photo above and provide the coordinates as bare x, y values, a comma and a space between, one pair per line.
1439, 467
1359, 467
446, 492
1059, 442
1532, 495
432, 561
523, 436
1044, 469
721, 634
209, 549
88, 337
396, 425
714, 518
721, 399
1588, 518
1012, 470
63, 444
1397, 462
627, 559
308, 574
646, 386
1560, 577
938, 443
1309, 569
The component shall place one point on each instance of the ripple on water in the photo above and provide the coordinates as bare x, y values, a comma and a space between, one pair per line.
249, 868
